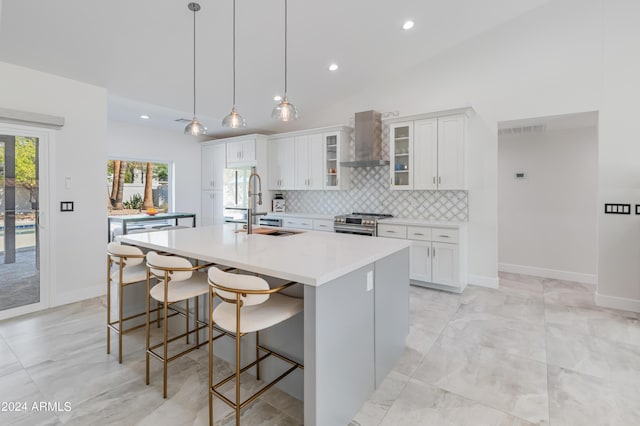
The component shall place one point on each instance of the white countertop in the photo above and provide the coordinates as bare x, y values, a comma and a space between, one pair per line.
420, 222
302, 215
310, 257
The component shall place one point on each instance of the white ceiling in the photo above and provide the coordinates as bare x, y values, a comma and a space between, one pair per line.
142, 51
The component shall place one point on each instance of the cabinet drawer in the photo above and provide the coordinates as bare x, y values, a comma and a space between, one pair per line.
298, 223
445, 235
418, 233
323, 225
392, 231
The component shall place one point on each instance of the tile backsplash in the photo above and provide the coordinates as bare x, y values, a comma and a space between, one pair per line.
370, 193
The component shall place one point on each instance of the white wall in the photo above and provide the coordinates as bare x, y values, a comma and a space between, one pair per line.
619, 153
79, 151
547, 222
128, 141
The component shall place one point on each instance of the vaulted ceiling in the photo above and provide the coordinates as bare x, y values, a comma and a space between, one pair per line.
142, 50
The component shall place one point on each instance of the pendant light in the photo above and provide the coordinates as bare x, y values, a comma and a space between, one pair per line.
285, 110
194, 128
234, 120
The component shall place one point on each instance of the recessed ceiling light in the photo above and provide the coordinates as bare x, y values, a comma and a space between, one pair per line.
333, 67
277, 98
407, 25
144, 117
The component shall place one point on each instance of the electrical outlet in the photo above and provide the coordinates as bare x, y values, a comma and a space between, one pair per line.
618, 208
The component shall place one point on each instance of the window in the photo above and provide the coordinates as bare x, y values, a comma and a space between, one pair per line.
134, 186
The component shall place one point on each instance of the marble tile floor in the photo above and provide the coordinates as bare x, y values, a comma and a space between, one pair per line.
536, 351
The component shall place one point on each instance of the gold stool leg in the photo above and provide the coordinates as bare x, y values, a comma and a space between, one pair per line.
197, 325
120, 307
148, 328
108, 304
257, 354
238, 301
210, 356
187, 319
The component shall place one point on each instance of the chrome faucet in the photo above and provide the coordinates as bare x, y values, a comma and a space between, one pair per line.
251, 198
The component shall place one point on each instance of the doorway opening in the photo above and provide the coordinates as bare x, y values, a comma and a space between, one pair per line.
547, 197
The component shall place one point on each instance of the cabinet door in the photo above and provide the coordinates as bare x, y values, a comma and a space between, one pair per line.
234, 151
301, 162
280, 159
451, 155
425, 154
400, 155
213, 164
316, 162
446, 264
420, 261
212, 208
248, 149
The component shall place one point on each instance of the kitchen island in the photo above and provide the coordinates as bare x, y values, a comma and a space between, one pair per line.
356, 305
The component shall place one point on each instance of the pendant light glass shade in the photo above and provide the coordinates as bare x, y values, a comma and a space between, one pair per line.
194, 128
285, 110
234, 120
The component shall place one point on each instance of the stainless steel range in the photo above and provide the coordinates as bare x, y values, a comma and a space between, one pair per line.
358, 223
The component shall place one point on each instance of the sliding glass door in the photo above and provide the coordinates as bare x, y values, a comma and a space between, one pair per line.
20, 232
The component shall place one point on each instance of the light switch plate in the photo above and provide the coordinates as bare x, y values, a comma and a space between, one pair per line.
66, 206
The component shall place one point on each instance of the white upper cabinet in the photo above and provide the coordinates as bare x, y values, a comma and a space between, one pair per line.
213, 164
451, 152
308, 169
428, 153
336, 149
241, 152
309, 160
401, 155
280, 163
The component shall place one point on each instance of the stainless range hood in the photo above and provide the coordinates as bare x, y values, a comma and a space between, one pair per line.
368, 141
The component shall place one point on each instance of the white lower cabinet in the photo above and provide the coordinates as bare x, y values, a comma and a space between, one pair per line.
212, 210
432, 262
297, 223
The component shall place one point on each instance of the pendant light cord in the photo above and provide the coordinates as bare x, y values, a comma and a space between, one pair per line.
285, 48
194, 61
234, 53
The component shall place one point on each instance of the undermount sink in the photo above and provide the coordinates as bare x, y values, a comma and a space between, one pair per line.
282, 233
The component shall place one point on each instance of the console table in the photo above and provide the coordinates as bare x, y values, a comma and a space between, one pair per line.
127, 220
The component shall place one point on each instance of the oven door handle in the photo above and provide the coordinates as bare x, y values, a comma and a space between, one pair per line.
338, 228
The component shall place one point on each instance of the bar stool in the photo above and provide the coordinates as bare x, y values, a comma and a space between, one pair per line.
247, 305
131, 270
178, 281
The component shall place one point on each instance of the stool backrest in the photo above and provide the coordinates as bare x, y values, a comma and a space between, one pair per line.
238, 282
176, 265
117, 251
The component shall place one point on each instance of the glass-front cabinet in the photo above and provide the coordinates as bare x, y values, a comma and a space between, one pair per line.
401, 155
331, 159
336, 145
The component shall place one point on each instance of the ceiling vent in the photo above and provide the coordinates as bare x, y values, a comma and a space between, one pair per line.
522, 130
182, 120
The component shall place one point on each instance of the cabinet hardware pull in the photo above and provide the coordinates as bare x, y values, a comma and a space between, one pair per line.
417, 233
444, 236
391, 232
428, 252
433, 253
434, 180
439, 180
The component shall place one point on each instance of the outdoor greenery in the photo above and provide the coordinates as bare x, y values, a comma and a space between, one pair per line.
121, 172
25, 162
135, 202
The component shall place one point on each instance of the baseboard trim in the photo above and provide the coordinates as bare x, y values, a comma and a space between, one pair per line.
548, 273
615, 302
483, 281
78, 295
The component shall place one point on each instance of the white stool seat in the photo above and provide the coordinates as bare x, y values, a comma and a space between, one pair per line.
131, 274
197, 285
257, 317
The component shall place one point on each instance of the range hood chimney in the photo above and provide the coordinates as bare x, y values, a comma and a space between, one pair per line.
368, 141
